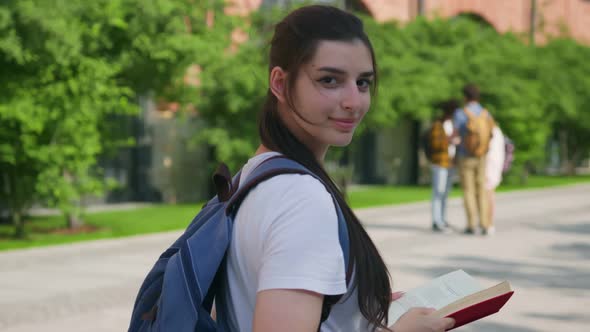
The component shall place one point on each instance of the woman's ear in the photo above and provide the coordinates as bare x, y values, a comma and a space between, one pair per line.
278, 80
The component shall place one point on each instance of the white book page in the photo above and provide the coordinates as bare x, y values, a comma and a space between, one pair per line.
436, 294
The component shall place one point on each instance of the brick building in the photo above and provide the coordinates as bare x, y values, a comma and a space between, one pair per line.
540, 17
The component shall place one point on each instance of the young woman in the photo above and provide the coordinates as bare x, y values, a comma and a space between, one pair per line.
285, 255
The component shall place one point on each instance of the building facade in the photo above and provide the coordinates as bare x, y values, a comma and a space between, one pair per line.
541, 18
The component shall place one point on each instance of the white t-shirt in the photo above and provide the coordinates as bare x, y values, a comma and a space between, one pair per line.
285, 236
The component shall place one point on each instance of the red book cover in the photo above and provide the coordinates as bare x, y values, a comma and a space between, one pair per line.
480, 310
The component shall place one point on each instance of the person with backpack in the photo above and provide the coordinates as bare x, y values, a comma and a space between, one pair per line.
440, 151
473, 125
297, 259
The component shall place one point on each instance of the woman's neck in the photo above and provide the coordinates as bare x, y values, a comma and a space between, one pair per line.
319, 155
262, 149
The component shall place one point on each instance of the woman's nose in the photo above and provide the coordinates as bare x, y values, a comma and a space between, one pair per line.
351, 99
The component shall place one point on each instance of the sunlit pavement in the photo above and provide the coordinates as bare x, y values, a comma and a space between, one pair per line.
542, 246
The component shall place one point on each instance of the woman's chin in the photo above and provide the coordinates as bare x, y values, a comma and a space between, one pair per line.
342, 141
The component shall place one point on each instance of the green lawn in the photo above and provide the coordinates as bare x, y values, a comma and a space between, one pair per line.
49, 230
536, 182
390, 195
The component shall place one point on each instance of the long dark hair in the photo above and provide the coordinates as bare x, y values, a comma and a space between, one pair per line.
294, 43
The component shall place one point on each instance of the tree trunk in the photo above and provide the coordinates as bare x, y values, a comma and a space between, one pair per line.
573, 162
74, 216
570, 154
19, 224
570, 167
73, 212
524, 175
563, 146
14, 191
74, 220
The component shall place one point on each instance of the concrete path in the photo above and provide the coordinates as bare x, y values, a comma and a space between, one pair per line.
542, 247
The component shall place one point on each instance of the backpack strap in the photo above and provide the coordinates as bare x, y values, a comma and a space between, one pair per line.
484, 112
278, 165
471, 115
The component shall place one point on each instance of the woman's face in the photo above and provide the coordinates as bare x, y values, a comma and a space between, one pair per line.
331, 95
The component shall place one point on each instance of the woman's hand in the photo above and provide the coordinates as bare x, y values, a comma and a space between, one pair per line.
421, 320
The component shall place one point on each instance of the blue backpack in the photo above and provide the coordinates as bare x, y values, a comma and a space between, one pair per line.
177, 294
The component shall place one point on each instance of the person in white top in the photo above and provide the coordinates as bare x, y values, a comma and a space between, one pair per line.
284, 259
494, 167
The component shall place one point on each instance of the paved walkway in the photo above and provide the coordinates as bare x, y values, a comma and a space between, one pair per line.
542, 247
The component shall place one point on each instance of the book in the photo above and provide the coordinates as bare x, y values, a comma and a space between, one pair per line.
457, 295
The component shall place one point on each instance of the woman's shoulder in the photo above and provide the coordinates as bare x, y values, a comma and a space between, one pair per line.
291, 199
294, 187
299, 196
285, 186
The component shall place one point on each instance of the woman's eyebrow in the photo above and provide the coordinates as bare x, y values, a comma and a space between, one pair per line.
333, 70
338, 71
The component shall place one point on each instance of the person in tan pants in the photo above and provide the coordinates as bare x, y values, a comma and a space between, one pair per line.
472, 169
472, 173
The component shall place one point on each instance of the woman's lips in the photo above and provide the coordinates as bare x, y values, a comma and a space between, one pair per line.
345, 124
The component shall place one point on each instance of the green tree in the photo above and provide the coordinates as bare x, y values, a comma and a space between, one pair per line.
565, 77
70, 71
232, 92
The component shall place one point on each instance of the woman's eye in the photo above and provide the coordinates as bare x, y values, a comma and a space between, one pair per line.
328, 80
364, 84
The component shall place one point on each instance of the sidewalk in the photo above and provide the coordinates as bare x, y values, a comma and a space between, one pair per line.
542, 247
